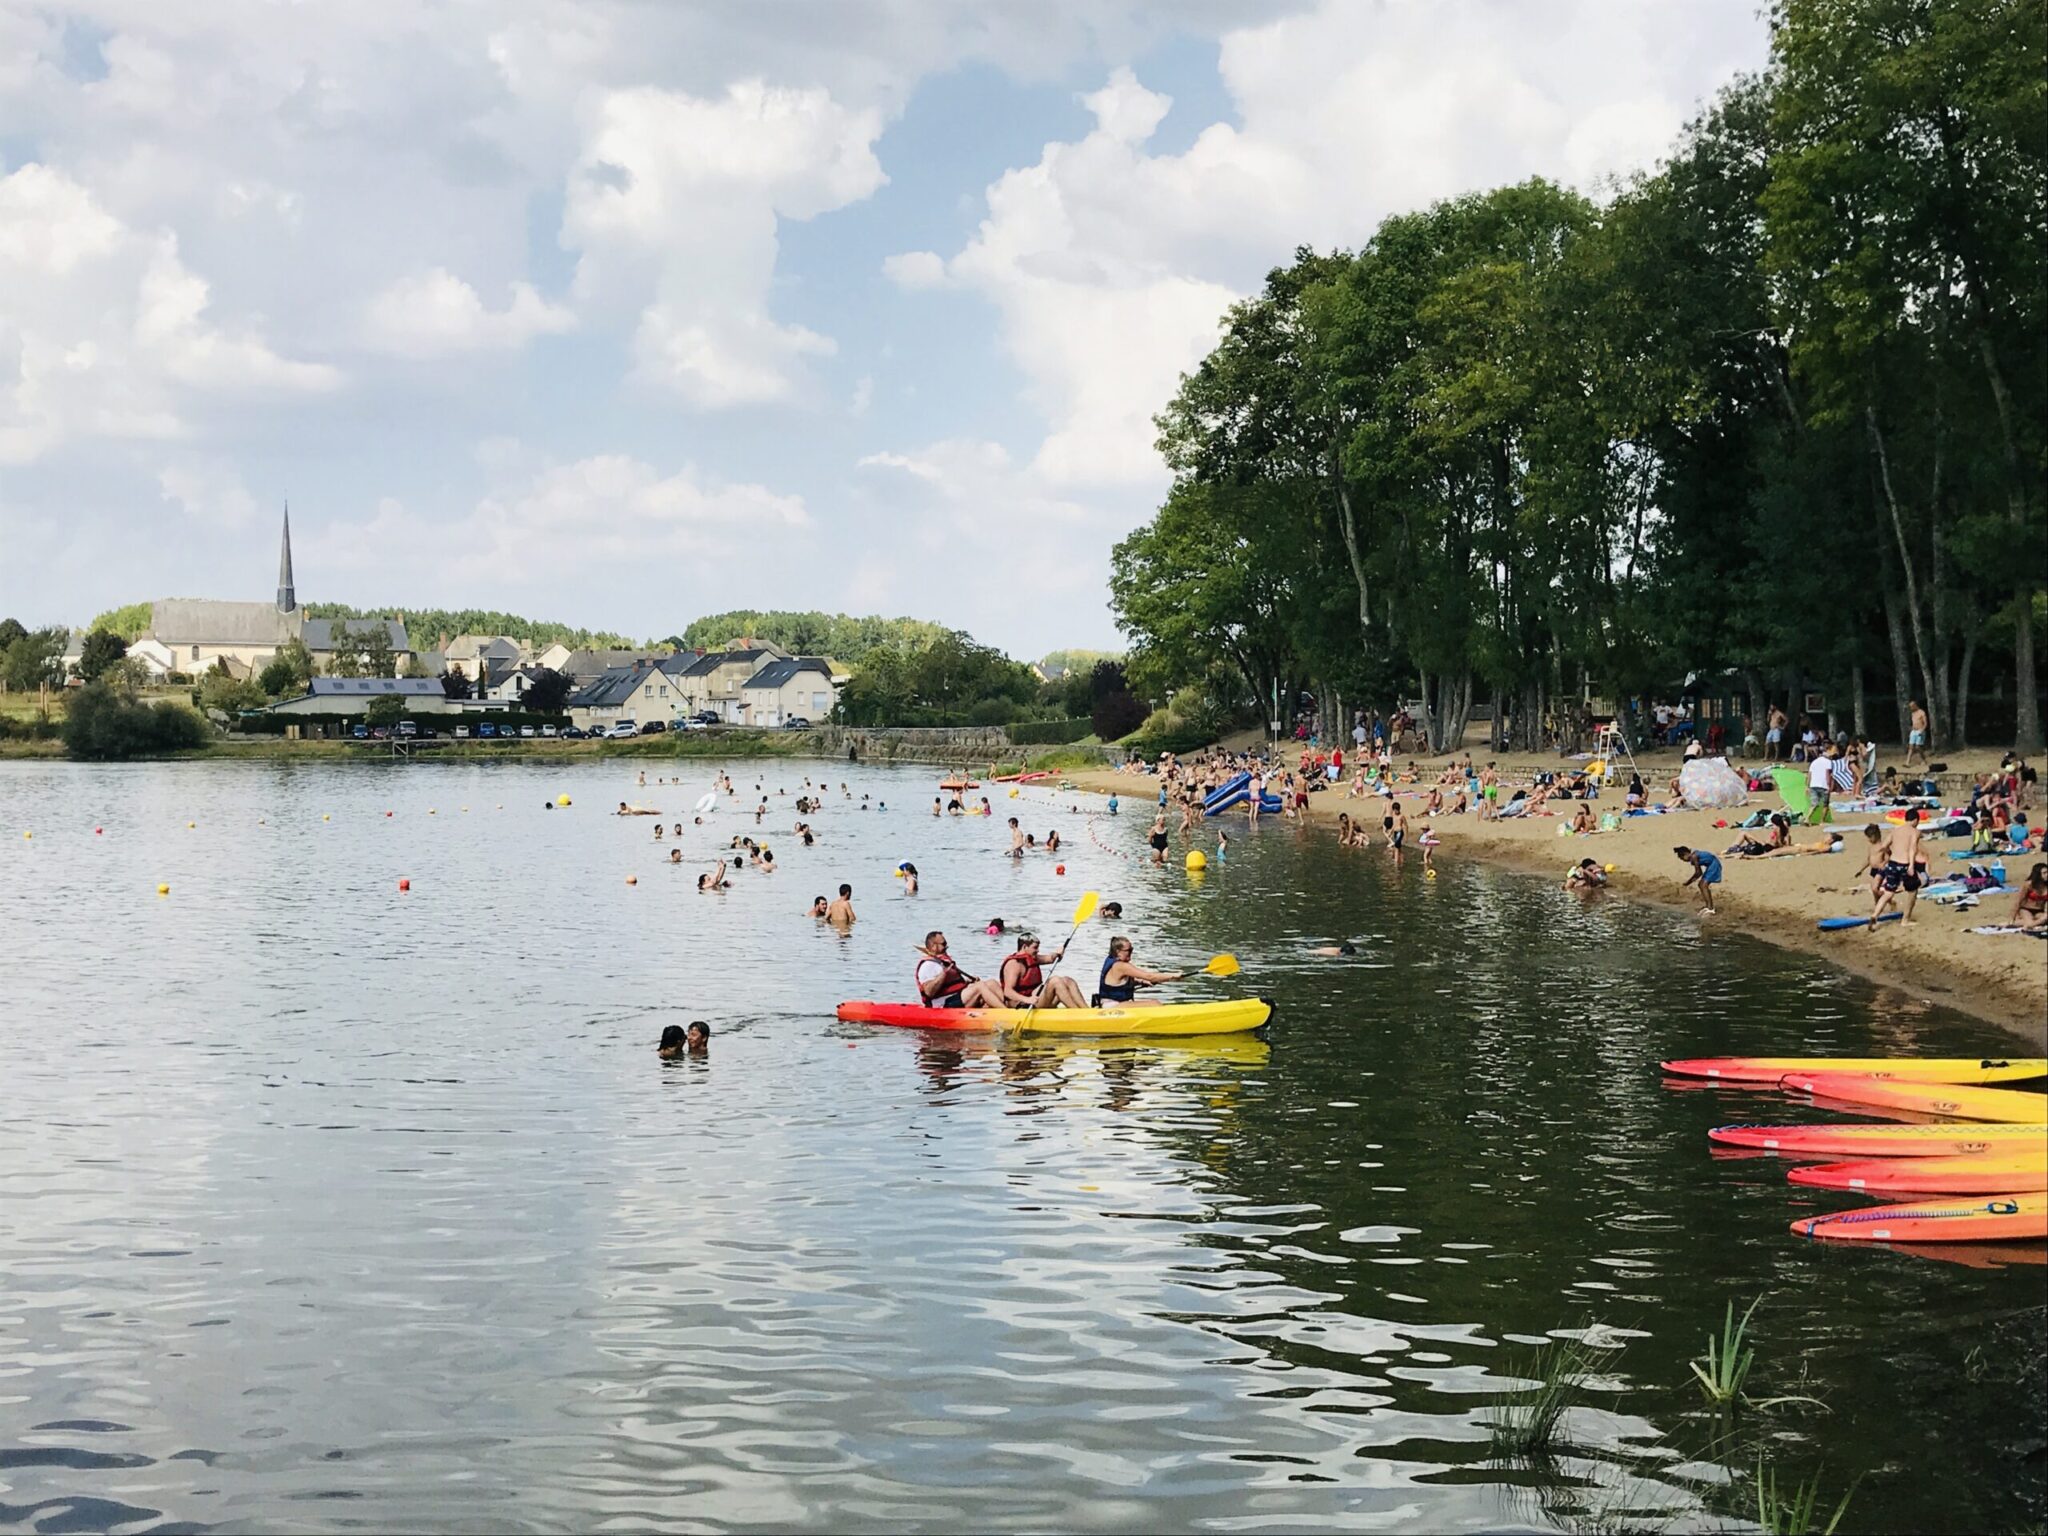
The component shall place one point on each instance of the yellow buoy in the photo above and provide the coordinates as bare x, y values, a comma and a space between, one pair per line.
163, 890
28, 834
190, 825
327, 818
561, 799
1197, 859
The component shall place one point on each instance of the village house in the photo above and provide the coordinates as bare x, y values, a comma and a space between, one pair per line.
717, 679
482, 656
793, 687
641, 691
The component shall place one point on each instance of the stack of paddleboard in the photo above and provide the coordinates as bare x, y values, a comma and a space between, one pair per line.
1977, 1174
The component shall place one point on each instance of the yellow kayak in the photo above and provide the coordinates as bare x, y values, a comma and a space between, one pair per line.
1235, 1017
1958, 1069
1996, 1104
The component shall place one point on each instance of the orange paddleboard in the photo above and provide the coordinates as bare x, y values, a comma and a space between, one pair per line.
2003, 1218
1985, 1173
1996, 1104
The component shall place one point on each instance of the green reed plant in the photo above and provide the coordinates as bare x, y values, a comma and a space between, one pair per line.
1725, 1366
1794, 1514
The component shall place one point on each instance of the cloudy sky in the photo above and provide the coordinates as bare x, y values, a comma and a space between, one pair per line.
622, 311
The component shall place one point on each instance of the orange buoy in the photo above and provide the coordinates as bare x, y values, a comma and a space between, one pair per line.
1059, 869
405, 885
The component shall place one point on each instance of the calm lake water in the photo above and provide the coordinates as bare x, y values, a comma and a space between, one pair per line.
328, 1207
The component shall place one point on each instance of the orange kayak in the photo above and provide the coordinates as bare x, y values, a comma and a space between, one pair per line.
1996, 1104
1879, 1139
1983, 1173
1956, 1069
2003, 1218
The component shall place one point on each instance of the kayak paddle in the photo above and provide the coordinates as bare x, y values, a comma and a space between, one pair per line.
1090, 900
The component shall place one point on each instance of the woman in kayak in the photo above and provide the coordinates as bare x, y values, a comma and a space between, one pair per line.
1023, 975
1121, 978
942, 984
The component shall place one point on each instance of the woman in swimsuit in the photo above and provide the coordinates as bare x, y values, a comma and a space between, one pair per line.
2031, 909
1121, 978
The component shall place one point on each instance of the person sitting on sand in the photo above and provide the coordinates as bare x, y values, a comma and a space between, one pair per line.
942, 984
1121, 976
1586, 875
1583, 821
1023, 978
2030, 907
1706, 873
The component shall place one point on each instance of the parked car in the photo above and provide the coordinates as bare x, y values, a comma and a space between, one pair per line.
549, 731
796, 723
462, 731
361, 733
526, 730
620, 729
408, 728
653, 728
380, 733
706, 717
574, 733
485, 728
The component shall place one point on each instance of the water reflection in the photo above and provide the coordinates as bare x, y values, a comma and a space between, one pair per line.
327, 1203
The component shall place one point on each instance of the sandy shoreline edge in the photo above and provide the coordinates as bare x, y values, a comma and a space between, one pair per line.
2002, 979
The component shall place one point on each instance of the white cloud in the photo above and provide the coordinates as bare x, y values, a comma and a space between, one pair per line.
542, 527
208, 490
104, 331
1110, 265
437, 314
674, 205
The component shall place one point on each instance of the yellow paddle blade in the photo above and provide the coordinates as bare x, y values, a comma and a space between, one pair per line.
1090, 900
1222, 965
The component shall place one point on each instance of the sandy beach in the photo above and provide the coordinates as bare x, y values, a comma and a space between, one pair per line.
2000, 977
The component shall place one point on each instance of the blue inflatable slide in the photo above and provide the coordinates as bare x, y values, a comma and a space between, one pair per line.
1234, 794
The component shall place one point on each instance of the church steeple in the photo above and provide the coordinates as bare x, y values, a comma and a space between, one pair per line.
287, 596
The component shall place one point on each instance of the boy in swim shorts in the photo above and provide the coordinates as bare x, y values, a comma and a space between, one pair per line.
1706, 873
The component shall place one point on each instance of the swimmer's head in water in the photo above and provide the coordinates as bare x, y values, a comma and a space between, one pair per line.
699, 1035
1347, 949
1112, 910
995, 925
672, 1039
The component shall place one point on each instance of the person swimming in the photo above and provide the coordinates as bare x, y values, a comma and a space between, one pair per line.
1332, 950
677, 1041
820, 906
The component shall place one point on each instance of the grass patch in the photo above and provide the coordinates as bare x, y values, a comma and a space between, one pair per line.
1523, 1422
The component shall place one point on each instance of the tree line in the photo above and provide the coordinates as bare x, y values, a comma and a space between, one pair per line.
1773, 413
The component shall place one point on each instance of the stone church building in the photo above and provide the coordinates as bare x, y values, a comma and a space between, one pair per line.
197, 632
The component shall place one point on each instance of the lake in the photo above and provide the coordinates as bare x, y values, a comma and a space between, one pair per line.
328, 1206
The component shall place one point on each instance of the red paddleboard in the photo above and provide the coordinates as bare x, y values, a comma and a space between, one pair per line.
2004, 1218
1983, 1173
1878, 1140
2005, 1105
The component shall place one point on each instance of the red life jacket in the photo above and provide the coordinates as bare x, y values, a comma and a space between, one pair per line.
954, 982
1031, 977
